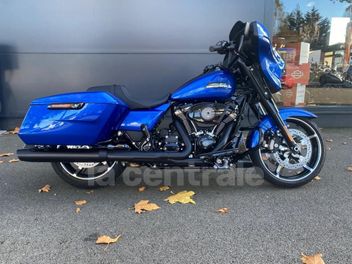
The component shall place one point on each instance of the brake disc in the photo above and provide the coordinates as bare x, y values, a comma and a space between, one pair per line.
293, 161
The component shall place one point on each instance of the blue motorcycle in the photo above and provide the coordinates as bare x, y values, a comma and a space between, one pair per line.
88, 135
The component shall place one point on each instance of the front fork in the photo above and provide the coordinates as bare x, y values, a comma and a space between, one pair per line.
270, 107
272, 111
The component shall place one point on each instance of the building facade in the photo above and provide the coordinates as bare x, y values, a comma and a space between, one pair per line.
152, 47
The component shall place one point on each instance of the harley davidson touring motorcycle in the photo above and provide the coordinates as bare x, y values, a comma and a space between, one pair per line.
88, 135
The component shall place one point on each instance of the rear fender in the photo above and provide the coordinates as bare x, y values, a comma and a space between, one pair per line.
256, 134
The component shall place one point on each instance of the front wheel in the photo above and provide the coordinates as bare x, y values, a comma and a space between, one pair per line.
89, 174
286, 169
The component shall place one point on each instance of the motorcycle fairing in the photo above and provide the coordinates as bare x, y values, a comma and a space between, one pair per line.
271, 64
254, 136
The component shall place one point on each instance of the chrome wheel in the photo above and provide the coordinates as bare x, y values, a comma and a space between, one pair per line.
87, 171
283, 158
284, 167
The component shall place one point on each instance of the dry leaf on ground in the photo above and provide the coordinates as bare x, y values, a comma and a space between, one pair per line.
142, 189
164, 188
349, 168
46, 188
317, 178
314, 259
224, 210
6, 154
15, 131
78, 210
14, 160
181, 197
107, 240
329, 140
144, 205
80, 202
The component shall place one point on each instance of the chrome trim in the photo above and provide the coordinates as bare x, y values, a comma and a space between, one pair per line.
219, 85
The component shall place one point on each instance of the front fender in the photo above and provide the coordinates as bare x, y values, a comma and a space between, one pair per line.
254, 136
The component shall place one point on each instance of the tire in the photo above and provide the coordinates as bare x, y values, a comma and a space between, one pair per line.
92, 181
312, 167
322, 80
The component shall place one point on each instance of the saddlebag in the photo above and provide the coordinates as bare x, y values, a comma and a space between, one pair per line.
84, 118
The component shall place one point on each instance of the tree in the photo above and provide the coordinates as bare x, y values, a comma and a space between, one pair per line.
324, 33
279, 15
309, 27
342, 1
295, 20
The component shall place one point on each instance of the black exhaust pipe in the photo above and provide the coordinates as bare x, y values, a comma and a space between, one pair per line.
86, 155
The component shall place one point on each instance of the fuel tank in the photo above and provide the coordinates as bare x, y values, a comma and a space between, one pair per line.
215, 85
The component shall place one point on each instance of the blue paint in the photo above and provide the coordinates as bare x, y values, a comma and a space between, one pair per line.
87, 126
215, 85
267, 123
149, 117
79, 97
271, 63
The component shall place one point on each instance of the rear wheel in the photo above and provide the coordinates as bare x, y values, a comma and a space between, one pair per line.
284, 168
89, 174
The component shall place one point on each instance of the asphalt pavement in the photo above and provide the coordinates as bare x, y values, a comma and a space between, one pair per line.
264, 224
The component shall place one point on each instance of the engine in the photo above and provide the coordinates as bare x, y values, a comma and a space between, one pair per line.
205, 114
206, 121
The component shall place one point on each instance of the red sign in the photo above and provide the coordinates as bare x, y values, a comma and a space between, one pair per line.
297, 74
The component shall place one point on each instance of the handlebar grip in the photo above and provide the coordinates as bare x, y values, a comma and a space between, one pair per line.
212, 49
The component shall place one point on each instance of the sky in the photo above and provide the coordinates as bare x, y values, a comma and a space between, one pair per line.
327, 8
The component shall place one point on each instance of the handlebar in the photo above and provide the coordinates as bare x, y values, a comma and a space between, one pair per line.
214, 48
222, 47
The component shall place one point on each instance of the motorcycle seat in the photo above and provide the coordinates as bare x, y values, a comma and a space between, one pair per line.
122, 93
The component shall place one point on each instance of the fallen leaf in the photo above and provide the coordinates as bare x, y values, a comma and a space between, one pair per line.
107, 240
80, 202
14, 160
6, 154
144, 205
349, 168
181, 197
317, 178
315, 259
164, 188
78, 210
329, 140
46, 188
223, 210
15, 131
142, 189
